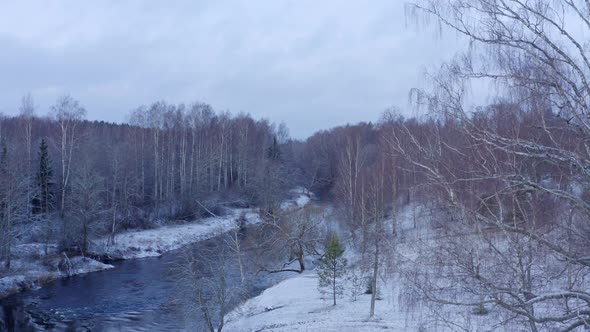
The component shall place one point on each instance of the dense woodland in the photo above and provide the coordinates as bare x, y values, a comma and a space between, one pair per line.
506, 184
67, 179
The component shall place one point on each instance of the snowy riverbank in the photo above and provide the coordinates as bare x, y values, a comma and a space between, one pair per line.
33, 268
296, 305
155, 242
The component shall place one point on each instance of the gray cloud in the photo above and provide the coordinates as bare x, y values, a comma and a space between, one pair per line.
311, 64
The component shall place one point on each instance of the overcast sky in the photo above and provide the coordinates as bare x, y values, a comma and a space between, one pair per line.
311, 64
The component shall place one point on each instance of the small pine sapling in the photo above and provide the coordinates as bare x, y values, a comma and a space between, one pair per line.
331, 268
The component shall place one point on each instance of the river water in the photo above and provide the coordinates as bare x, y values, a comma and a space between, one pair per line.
137, 295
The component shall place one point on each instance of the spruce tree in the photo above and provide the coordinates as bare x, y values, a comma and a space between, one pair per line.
43, 201
274, 151
331, 268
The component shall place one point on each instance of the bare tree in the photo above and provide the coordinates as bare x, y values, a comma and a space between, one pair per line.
534, 49
234, 243
13, 202
350, 164
203, 276
291, 236
68, 114
87, 203
376, 237
27, 113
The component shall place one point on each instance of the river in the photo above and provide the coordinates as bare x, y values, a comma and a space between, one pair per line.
137, 295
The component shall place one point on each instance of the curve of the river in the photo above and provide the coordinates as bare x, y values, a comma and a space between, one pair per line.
137, 295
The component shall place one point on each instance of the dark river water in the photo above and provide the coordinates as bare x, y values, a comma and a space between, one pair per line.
137, 295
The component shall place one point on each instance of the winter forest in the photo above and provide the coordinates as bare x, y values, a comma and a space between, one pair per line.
465, 210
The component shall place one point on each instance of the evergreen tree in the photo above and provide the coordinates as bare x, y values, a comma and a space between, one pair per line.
331, 268
274, 151
43, 200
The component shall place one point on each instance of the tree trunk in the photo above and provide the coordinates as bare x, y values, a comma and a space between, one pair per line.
84, 238
300, 259
205, 311
334, 283
374, 279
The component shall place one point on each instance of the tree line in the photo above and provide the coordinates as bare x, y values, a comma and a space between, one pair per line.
66, 180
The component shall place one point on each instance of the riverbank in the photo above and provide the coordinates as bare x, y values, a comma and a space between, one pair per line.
33, 268
296, 304
155, 242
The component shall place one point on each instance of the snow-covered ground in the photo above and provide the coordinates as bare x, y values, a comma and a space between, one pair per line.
300, 198
155, 242
296, 304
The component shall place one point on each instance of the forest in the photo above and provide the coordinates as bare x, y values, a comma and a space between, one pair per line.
68, 179
458, 210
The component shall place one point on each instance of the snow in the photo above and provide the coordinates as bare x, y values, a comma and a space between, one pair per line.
30, 272
33, 249
13, 284
302, 201
297, 305
155, 242
83, 265
301, 197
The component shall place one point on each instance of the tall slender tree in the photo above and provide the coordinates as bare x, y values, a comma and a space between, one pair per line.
5, 207
13, 205
27, 115
43, 201
68, 113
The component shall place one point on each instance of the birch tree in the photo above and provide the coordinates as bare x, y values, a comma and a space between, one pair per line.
493, 166
87, 204
68, 113
203, 277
